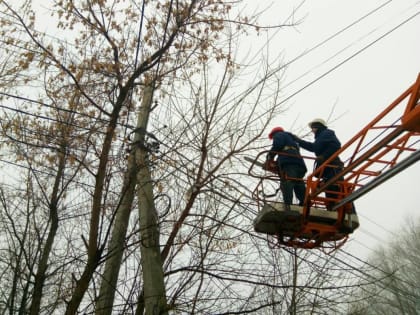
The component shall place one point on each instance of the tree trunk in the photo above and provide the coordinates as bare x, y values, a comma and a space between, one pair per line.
93, 250
43, 262
117, 241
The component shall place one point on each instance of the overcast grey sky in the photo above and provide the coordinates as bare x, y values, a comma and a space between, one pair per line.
358, 72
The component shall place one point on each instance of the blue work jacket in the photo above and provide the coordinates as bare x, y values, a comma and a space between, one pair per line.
326, 144
283, 142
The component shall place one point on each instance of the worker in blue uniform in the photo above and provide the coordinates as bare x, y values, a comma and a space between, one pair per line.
290, 164
325, 145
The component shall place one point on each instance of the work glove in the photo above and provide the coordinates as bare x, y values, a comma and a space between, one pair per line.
270, 165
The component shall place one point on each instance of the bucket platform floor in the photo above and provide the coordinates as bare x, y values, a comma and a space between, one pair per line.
274, 218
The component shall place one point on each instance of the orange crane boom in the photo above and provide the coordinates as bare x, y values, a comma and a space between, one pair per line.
379, 147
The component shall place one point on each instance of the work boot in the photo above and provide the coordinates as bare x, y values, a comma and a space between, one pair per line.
330, 206
350, 208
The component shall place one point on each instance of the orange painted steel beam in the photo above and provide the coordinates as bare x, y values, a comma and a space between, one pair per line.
385, 151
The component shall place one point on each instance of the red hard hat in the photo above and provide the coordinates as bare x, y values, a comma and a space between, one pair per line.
273, 131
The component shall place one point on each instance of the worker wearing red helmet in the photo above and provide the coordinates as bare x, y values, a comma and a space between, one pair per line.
290, 163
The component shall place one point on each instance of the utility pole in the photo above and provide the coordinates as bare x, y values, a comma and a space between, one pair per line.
154, 294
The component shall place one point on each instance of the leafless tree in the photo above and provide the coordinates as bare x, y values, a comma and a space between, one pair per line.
395, 269
142, 108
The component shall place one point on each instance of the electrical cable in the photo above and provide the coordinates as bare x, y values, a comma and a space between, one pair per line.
331, 37
400, 292
349, 58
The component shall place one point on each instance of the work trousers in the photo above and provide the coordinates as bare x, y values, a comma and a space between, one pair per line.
334, 191
293, 182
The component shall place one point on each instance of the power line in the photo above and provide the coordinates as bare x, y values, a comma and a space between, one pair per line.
349, 58
334, 35
57, 108
415, 297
